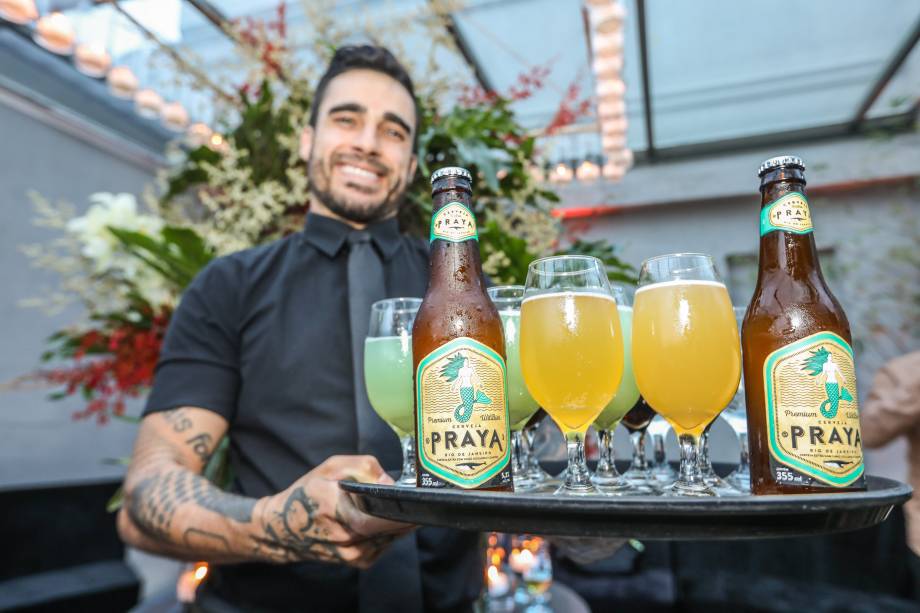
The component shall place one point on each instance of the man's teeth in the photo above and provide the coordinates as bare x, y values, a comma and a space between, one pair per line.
360, 172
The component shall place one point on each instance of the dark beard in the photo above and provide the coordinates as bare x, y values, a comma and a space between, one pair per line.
349, 210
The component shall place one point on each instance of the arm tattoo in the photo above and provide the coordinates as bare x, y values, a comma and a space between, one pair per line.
154, 502
292, 533
200, 539
180, 421
201, 445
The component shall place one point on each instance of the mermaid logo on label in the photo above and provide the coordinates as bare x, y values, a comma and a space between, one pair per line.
464, 380
822, 366
462, 413
812, 413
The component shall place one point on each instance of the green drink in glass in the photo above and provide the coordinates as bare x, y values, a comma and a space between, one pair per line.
606, 478
521, 406
388, 373
388, 376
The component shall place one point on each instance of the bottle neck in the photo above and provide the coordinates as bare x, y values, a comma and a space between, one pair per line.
456, 266
785, 251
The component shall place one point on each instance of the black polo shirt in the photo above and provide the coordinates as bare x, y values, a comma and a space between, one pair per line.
262, 338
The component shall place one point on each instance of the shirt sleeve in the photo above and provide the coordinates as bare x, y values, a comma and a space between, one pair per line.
893, 405
199, 361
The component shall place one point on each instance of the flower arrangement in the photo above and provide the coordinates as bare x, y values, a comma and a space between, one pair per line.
247, 186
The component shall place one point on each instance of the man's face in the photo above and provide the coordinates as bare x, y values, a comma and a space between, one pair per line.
359, 155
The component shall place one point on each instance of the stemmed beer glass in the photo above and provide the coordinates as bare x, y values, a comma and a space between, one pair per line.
388, 373
686, 352
571, 350
521, 406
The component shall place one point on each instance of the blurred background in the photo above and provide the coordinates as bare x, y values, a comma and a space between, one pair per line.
646, 126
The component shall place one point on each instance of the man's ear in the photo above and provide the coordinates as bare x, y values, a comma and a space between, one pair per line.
306, 142
413, 166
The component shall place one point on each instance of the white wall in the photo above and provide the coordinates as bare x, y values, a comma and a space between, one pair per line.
39, 441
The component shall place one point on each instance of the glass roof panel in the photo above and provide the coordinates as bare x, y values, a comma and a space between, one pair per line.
724, 70
903, 91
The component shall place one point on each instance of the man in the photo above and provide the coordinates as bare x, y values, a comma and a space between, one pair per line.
265, 347
893, 410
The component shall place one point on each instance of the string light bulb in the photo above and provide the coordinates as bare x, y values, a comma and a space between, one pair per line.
18, 11
174, 116
122, 82
92, 59
561, 173
148, 103
55, 33
587, 171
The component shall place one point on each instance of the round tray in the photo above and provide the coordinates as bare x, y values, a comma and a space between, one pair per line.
641, 517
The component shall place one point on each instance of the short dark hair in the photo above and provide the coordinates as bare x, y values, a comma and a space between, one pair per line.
368, 57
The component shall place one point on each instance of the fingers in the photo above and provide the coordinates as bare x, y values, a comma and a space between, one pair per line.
360, 525
361, 468
363, 555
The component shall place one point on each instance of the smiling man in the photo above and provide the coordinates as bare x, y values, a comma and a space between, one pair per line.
266, 346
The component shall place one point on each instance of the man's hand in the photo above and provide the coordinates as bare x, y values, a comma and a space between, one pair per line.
315, 520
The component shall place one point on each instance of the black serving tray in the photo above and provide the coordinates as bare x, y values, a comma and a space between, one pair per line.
640, 517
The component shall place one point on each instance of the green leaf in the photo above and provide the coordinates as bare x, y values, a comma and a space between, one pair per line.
116, 501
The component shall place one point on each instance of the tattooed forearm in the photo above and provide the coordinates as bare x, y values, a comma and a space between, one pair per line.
155, 500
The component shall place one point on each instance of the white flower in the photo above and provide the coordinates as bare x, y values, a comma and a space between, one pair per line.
105, 253
115, 211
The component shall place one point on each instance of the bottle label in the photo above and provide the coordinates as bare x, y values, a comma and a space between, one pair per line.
462, 413
812, 412
789, 214
454, 222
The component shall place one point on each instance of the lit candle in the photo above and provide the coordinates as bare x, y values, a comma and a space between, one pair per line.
521, 561
499, 584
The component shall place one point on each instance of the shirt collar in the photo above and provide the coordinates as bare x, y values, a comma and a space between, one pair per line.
329, 235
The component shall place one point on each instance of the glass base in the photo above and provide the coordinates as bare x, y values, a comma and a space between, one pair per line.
684, 490
580, 490
643, 482
664, 475
406, 480
740, 480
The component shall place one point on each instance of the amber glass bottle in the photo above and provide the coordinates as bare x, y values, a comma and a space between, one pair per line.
458, 352
799, 375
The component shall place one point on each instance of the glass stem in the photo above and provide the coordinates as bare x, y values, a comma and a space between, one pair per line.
639, 462
408, 449
705, 461
744, 465
529, 436
577, 475
605, 460
690, 473
518, 453
659, 455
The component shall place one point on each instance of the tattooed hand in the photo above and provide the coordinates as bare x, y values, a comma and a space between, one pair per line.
315, 520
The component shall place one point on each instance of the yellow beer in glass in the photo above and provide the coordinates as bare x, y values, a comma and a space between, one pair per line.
686, 351
571, 350
685, 366
572, 355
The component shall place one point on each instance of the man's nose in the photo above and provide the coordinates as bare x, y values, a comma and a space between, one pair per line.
366, 139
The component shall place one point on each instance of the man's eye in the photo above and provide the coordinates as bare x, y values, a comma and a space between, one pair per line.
395, 134
344, 121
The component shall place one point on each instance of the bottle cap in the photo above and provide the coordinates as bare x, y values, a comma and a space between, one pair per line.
780, 160
451, 171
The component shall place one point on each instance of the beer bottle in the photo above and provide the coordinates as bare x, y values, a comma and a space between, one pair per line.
458, 354
799, 377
